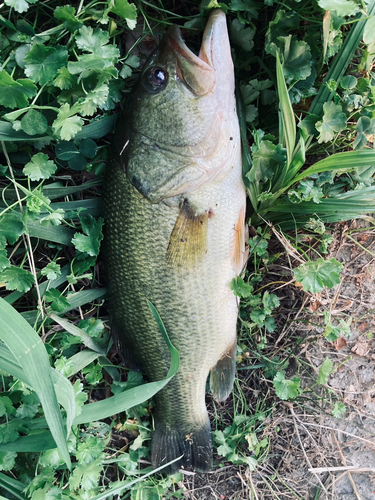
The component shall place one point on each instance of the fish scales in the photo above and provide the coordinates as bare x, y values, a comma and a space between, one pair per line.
189, 288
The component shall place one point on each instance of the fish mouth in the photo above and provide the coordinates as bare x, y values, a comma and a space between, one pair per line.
199, 72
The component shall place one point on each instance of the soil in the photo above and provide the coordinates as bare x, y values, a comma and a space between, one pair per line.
312, 454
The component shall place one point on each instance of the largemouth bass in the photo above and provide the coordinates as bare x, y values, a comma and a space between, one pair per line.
175, 233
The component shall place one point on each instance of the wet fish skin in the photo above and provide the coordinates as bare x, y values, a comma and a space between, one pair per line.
175, 234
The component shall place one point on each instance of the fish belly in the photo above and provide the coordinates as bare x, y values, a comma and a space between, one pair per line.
195, 303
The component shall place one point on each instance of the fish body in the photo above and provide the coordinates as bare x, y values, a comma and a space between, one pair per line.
175, 233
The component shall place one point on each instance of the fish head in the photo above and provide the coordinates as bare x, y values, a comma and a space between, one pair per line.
177, 112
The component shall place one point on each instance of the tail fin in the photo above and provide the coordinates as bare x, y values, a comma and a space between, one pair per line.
170, 442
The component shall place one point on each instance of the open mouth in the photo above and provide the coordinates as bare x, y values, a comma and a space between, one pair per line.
198, 71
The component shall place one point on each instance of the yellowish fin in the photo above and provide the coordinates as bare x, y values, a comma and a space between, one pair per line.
188, 241
239, 252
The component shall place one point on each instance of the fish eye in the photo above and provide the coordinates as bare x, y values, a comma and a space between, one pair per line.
155, 78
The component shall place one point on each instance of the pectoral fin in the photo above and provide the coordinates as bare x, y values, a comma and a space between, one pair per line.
222, 375
188, 241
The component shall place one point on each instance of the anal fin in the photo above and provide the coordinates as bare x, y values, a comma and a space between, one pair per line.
188, 241
223, 373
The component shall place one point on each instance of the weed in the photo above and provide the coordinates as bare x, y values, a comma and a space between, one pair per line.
64, 71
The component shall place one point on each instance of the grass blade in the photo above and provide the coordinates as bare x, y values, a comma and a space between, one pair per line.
29, 350
346, 161
136, 395
351, 205
287, 115
55, 234
33, 443
341, 62
78, 332
63, 388
12, 486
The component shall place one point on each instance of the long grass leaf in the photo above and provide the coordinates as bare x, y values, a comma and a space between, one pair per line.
7, 133
346, 161
80, 360
83, 297
78, 332
125, 485
55, 234
33, 443
287, 115
12, 486
346, 206
136, 395
98, 128
30, 353
63, 388
55, 190
341, 62
92, 206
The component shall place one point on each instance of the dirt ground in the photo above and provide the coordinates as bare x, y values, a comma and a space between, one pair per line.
313, 455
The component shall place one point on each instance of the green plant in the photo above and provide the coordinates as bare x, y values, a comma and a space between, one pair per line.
64, 71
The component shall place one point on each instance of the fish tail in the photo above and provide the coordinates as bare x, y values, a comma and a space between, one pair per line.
194, 447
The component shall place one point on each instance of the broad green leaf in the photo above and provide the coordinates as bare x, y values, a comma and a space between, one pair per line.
315, 275
18, 5
241, 36
127, 11
15, 94
96, 42
4, 261
325, 371
94, 99
280, 27
296, 58
67, 123
240, 288
66, 150
349, 82
88, 148
34, 123
266, 161
42, 63
306, 191
64, 80
66, 14
7, 460
40, 167
334, 121
286, 388
29, 350
338, 409
16, 278
58, 302
90, 242
78, 162
51, 270
11, 228
341, 7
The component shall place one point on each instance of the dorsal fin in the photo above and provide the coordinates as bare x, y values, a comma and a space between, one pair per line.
188, 241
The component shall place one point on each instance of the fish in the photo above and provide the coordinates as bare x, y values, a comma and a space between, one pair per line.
175, 234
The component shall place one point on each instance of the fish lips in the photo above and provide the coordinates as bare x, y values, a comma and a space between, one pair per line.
200, 73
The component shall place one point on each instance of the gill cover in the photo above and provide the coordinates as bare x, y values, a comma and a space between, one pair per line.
178, 127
